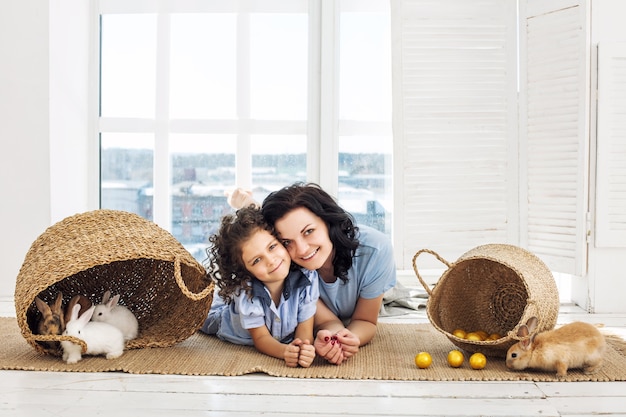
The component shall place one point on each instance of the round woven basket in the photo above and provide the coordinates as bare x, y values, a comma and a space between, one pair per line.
493, 288
92, 252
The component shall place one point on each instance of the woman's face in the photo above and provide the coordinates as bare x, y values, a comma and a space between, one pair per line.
305, 235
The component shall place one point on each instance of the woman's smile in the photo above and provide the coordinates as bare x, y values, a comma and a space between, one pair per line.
306, 258
306, 238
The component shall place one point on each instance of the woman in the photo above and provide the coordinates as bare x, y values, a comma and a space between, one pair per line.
355, 264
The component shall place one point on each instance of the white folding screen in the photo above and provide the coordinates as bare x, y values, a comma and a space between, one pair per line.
477, 160
611, 146
554, 126
455, 125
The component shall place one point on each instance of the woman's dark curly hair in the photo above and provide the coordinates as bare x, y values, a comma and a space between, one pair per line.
224, 263
342, 229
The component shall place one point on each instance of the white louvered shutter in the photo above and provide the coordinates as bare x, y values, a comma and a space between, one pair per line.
455, 125
555, 128
611, 146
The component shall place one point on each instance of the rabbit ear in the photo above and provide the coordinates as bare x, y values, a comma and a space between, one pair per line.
58, 304
43, 307
526, 343
532, 324
522, 331
106, 296
74, 312
86, 316
113, 301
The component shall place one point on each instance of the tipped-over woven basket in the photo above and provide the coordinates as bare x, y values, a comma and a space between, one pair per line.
96, 251
494, 288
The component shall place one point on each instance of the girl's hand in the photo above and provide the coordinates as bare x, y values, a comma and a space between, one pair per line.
239, 198
328, 346
292, 353
349, 342
307, 354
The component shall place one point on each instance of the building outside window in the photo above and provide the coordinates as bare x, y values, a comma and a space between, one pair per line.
195, 102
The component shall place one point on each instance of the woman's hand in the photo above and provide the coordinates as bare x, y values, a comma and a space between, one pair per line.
349, 342
327, 345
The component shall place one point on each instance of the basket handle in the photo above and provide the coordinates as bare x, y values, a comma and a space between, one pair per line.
59, 338
183, 287
418, 253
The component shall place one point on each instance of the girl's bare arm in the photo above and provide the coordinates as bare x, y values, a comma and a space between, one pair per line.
265, 343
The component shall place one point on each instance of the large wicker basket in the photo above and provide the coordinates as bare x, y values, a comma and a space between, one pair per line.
494, 288
89, 253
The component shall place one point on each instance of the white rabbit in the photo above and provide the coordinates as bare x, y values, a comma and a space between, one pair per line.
101, 338
109, 311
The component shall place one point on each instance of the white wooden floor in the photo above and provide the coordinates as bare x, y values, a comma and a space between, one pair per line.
29, 393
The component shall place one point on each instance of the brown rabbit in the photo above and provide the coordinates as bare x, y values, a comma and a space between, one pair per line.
84, 302
574, 345
52, 321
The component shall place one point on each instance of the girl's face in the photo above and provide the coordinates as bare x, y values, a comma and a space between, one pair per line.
265, 257
305, 235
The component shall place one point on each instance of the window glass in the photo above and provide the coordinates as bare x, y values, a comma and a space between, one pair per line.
237, 88
126, 172
203, 66
278, 66
128, 51
203, 168
365, 66
365, 159
365, 181
277, 161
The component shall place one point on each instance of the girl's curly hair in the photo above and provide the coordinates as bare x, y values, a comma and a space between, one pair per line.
224, 264
342, 228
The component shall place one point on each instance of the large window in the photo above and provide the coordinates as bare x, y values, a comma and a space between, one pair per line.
196, 100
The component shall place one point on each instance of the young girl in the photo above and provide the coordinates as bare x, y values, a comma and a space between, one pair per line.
260, 300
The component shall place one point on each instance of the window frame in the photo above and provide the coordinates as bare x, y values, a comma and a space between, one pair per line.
161, 126
323, 128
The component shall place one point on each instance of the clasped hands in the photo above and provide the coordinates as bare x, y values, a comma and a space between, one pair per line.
336, 347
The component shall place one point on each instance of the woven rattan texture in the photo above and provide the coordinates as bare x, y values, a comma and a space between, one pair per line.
494, 288
89, 253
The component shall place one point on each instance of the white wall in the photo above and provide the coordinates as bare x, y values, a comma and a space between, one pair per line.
43, 165
24, 127
71, 154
